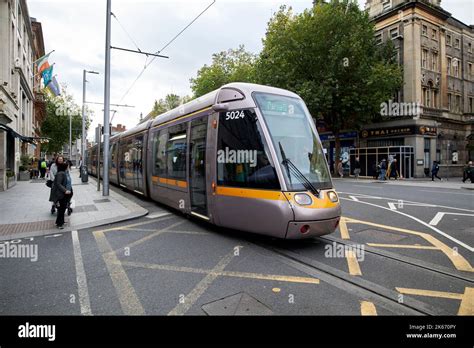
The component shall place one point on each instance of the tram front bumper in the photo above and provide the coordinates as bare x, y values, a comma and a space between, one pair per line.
308, 229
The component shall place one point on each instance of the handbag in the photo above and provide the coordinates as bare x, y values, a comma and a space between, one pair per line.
49, 183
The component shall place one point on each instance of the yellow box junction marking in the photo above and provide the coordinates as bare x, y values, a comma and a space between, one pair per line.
367, 308
467, 299
352, 263
258, 276
403, 246
458, 261
127, 296
343, 228
125, 291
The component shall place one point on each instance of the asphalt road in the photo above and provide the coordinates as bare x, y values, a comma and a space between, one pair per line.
389, 257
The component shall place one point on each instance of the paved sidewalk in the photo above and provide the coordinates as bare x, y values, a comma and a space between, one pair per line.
451, 183
25, 209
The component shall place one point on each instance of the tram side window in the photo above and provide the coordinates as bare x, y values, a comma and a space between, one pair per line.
243, 159
176, 152
160, 139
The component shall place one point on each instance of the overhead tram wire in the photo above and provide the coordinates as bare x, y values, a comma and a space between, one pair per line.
164, 47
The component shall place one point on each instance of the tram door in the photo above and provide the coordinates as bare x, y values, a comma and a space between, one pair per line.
197, 166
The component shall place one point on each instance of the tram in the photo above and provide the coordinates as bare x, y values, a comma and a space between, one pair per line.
245, 156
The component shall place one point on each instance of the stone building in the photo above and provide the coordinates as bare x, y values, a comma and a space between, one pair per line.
436, 52
39, 109
16, 88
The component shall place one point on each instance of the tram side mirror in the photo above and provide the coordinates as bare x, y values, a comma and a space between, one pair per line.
220, 107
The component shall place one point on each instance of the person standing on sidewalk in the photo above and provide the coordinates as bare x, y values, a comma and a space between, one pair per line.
52, 175
42, 166
356, 168
340, 169
434, 171
468, 172
69, 186
393, 170
59, 193
383, 169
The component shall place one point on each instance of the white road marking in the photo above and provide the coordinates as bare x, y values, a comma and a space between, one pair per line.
53, 235
81, 276
471, 249
354, 198
361, 195
440, 215
157, 215
393, 206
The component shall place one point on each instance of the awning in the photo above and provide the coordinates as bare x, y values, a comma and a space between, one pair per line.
23, 138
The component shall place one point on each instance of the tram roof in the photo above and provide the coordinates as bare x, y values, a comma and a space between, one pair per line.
206, 101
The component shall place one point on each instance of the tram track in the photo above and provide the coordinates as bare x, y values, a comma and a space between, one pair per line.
389, 299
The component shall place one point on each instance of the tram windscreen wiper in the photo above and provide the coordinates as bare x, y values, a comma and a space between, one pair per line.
291, 168
284, 162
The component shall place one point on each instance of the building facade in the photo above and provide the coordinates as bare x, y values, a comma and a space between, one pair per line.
39, 108
437, 55
16, 88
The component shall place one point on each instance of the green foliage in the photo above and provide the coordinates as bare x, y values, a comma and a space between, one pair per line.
328, 55
170, 102
234, 65
56, 123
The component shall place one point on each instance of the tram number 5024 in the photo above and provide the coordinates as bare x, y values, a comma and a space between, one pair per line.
234, 115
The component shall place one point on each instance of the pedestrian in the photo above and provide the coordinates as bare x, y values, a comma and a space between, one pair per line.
80, 167
59, 192
42, 166
52, 175
393, 170
356, 168
434, 171
468, 172
375, 170
383, 169
340, 169
69, 186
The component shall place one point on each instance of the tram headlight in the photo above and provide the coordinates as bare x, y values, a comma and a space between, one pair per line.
303, 199
333, 196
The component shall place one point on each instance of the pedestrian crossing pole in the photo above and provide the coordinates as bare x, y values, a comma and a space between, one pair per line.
105, 185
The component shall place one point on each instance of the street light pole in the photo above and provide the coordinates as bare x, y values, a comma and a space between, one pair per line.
84, 136
105, 186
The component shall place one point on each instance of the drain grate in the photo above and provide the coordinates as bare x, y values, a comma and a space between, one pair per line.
12, 229
238, 304
85, 208
105, 200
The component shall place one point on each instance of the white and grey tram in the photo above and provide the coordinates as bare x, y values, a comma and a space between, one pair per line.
245, 156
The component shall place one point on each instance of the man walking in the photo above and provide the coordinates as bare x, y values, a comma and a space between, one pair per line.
356, 168
434, 171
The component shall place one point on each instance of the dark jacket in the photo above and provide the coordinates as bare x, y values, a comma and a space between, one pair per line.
435, 168
59, 187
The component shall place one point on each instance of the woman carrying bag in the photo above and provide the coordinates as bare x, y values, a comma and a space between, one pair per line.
60, 194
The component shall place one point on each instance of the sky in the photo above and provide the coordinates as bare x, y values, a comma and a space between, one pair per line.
75, 29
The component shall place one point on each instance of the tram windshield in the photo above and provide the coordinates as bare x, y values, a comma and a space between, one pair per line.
295, 141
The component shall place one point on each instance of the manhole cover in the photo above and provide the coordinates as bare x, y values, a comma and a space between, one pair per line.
238, 304
379, 235
105, 200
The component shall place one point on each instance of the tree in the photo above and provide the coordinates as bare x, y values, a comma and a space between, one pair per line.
170, 102
328, 55
234, 65
56, 123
